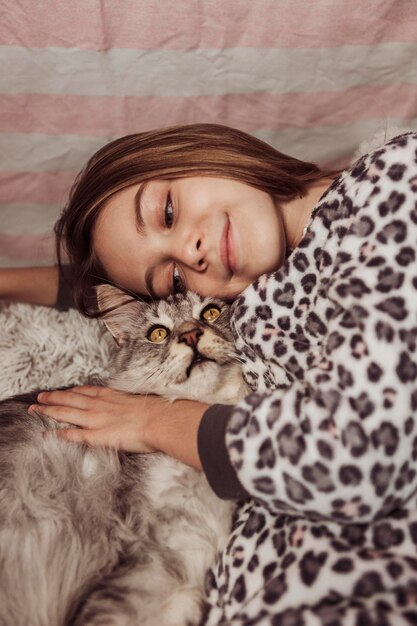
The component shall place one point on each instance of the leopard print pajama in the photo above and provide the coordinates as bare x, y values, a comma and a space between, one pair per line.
326, 445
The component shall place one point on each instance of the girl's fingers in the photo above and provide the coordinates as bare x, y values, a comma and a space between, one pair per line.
105, 417
72, 415
67, 397
104, 393
88, 390
89, 407
78, 435
78, 396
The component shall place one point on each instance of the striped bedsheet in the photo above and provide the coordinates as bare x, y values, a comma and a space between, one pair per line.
314, 78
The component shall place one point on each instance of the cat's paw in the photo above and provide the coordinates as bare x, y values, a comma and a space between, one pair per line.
182, 608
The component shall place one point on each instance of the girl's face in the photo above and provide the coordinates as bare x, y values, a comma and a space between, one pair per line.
214, 236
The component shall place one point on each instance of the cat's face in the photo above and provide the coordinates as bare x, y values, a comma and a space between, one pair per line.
182, 347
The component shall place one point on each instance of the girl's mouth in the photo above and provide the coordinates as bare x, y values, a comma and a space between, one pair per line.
227, 251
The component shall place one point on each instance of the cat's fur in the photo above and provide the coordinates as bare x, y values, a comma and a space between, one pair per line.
89, 536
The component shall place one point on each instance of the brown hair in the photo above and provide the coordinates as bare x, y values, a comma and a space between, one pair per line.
169, 153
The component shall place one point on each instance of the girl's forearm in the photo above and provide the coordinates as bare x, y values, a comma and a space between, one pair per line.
34, 285
174, 431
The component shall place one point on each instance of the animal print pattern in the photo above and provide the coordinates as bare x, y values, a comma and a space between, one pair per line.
326, 444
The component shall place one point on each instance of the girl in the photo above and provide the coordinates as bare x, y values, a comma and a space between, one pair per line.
321, 269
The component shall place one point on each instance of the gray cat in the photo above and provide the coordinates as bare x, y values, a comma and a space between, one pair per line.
90, 536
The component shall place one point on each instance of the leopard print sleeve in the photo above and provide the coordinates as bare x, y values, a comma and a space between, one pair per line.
329, 343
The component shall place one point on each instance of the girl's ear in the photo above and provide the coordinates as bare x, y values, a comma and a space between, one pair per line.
120, 312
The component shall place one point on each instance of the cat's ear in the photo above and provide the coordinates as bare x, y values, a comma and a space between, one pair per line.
120, 311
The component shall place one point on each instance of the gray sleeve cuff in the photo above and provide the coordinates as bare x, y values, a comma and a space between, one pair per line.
64, 300
214, 456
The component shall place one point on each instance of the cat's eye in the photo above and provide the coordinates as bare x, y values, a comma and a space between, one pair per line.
210, 313
157, 334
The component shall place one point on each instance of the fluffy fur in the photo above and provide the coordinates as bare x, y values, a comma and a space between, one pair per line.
42, 348
89, 536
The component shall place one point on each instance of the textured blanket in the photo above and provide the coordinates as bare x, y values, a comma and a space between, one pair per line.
41, 348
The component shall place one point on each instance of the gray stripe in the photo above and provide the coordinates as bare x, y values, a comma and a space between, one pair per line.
50, 153
32, 262
324, 144
127, 72
36, 152
33, 219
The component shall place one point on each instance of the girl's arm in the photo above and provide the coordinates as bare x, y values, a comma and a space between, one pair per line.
34, 285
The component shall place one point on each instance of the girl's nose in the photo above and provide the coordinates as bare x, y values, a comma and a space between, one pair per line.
193, 252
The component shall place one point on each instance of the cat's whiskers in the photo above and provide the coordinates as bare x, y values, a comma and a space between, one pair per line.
157, 373
233, 356
167, 375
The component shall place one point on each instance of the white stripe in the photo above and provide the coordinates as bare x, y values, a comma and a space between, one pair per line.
33, 219
51, 153
127, 72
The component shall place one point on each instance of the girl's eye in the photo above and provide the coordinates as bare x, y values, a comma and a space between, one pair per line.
210, 313
168, 212
157, 334
177, 282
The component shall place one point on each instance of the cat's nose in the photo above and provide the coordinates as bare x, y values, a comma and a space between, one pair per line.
190, 335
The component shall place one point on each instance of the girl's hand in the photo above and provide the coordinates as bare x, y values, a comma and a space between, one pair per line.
133, 423
106, 417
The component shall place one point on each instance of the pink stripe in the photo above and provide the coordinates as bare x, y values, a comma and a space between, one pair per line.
99, 116
27, 247
190, 24
35, 187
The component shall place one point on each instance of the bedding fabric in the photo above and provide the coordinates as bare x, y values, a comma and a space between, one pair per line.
326, 445
292, 560
312, 78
